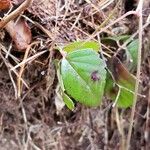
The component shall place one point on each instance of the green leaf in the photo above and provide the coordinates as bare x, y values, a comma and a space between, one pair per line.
133, 51
116, 38
79, 45
111, 89
69, 103
84, 74
113, 41
125, 98
120, 78
121, 75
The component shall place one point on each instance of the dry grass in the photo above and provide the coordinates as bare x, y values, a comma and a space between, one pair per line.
28, 83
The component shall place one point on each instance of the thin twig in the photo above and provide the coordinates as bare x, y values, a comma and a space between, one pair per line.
8, 54
47, 32
29, 59
123, 46
9, 66
120, 128
117, 97
15, 13
139, 12
19, 83
111, 24
147, 129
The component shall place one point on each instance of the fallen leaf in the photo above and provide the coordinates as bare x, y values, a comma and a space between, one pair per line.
59, 103
20, 33
5, 4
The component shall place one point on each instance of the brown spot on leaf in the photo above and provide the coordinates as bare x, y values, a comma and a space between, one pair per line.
95, 76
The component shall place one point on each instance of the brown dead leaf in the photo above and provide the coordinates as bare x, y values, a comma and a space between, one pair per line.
119, 72
59, 103
5, 4
20, 33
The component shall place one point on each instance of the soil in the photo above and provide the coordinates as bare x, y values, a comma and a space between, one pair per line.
38, 120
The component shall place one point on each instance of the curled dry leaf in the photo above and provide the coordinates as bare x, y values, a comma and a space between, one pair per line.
5, 4
59, 103
20, 33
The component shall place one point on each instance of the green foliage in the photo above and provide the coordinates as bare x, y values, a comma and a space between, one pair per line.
67, 100
79, 45
125, 97
116, 38
120, 74
83, 76
132, 49
120, 79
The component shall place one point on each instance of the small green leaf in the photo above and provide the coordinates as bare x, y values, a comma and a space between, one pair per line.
79, 45
133, 51
125, 98
84, 74
111, 89
121, 75
69, 103
112, 42
119, 78
116, 38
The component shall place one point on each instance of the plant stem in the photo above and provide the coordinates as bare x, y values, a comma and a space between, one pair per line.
139, 12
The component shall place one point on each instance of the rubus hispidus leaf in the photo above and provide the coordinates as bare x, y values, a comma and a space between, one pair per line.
68, 102
121, 75
83, 74
132, 49
116, 38
79, 45
124, 83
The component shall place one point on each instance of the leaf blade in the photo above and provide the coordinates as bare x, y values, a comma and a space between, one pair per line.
78, 45
120, 78
68, 102
83, 81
